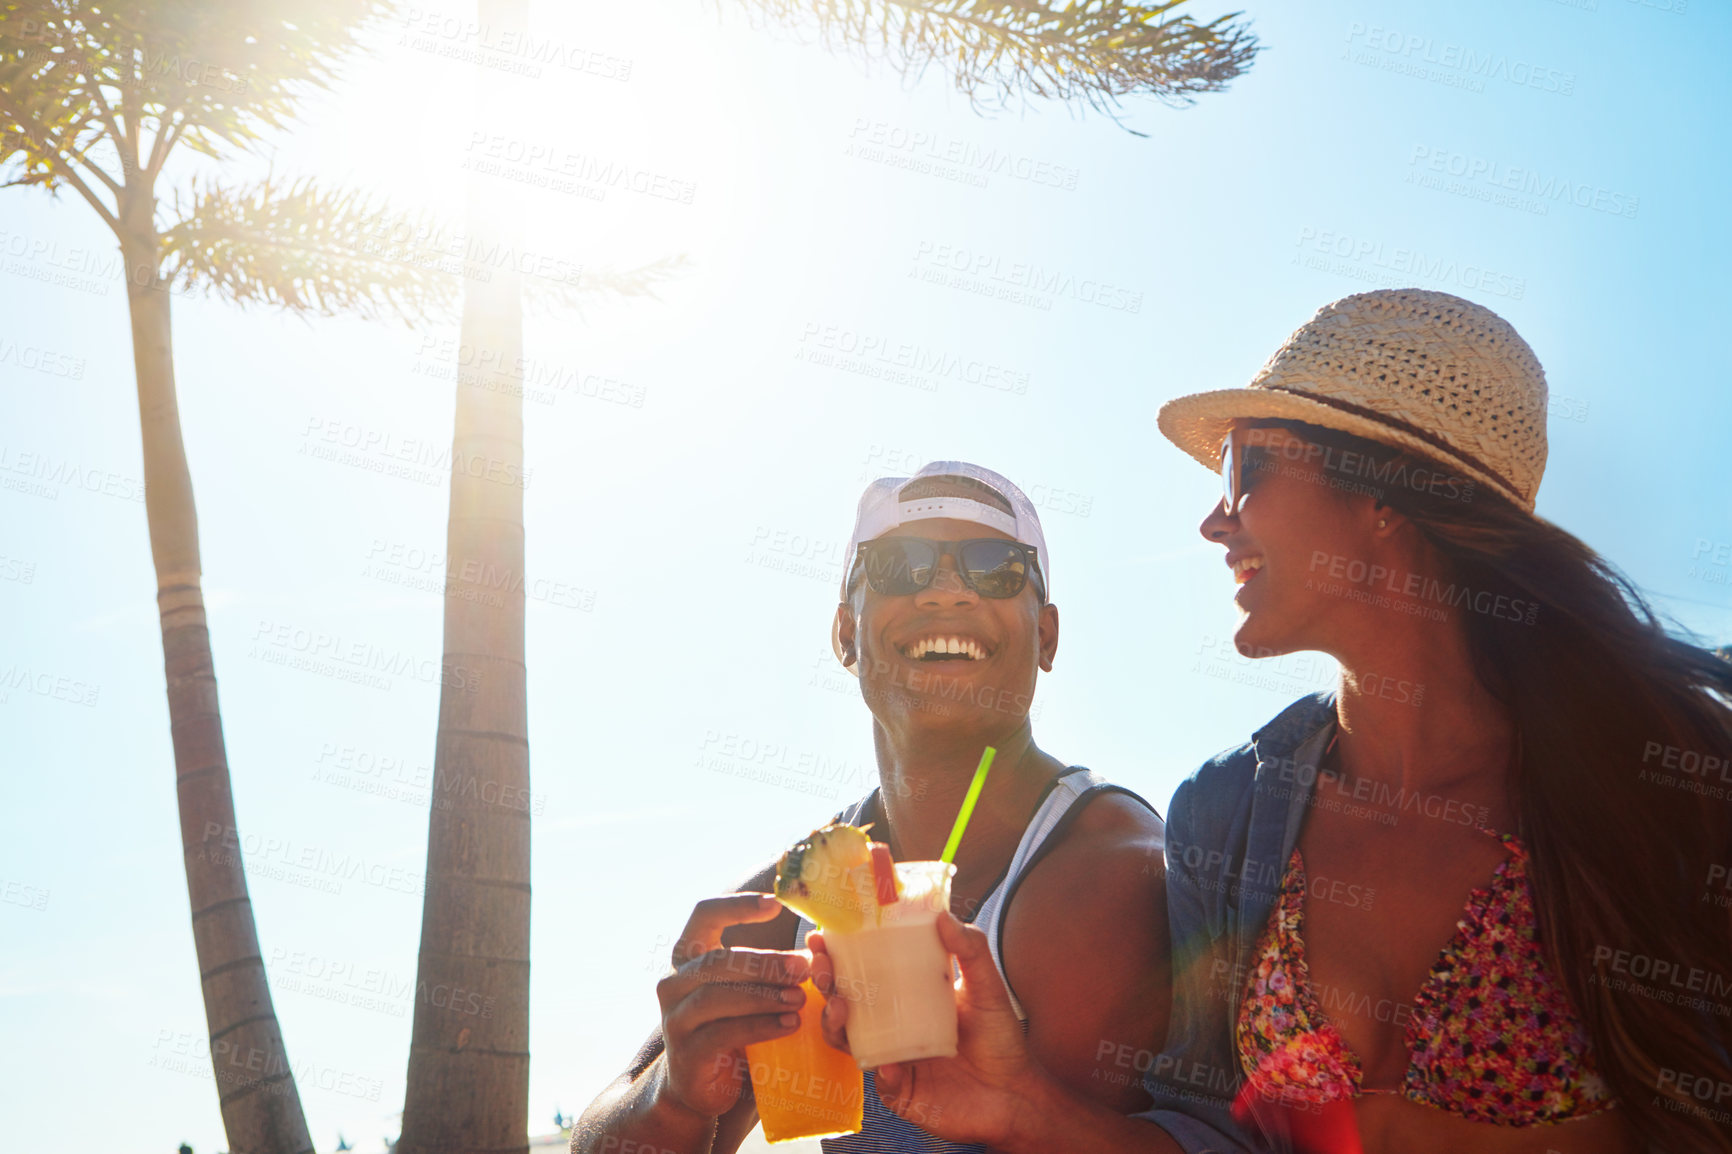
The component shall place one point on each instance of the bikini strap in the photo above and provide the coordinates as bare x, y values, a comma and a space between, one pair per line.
1511, 842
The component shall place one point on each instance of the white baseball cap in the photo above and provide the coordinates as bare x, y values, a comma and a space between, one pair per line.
892, 502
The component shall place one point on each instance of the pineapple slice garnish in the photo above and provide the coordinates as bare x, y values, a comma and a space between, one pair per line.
828, 877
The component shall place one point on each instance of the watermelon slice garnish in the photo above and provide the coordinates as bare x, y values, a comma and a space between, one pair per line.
884, 879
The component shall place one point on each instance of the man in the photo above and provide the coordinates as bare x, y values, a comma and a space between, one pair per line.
945, 618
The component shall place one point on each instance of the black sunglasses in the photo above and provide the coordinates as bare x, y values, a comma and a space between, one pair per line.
991, 566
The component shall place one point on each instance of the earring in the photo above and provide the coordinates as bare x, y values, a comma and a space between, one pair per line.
1383, 523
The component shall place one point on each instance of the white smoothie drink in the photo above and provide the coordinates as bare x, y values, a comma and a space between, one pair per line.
896, 975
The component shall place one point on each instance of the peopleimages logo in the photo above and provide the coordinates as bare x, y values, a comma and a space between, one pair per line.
16, 893
1477, 67
550, 164
1674, 980
1366, 474
38, 359
313, 860
952, 159
462, 38
1017, 282
1394, 266
42, 475
1364, 576
414, 459
237, 1068
332, 654
44, 683
1427, 165
901, 362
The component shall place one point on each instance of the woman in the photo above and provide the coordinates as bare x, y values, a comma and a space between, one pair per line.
1463, 902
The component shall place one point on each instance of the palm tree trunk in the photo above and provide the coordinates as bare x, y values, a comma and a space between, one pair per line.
468, 1081
261, 1108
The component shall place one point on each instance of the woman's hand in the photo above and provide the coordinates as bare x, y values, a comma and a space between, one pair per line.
975, 1096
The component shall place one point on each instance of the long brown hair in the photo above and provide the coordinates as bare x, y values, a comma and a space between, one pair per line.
1617, 720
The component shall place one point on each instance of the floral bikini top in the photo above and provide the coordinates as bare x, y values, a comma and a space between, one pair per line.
1491, 1036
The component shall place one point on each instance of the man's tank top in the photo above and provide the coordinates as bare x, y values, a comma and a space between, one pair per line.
883, 1132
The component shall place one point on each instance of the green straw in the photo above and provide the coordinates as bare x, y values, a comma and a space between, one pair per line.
948, 857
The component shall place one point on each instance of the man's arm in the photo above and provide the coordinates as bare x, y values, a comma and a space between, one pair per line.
635, 1108
1086, 952
639, 1106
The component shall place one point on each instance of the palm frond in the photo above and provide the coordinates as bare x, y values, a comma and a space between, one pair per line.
225, 73
299, 246
999, 52
544, 295
302, 247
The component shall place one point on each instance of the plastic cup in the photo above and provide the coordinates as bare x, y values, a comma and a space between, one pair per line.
896, 975
805, 1088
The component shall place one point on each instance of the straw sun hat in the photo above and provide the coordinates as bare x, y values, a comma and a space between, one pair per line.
1426, 371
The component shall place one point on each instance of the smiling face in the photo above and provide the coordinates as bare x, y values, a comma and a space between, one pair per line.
1291, 525
936, 655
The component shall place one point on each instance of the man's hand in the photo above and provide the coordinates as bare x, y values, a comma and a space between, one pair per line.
973, 1097
717, 1001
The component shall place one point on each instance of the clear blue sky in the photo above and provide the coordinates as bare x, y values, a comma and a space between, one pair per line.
695, 464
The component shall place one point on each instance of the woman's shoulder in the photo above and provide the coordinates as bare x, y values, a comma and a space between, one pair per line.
1223, 784
1207, 800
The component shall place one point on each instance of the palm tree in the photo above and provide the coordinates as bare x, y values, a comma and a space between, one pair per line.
97, 98
468, 1076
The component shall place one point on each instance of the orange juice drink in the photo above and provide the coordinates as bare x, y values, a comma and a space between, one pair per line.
805, 1087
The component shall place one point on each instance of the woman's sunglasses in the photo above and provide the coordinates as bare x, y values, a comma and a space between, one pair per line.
991, 566
1239, 462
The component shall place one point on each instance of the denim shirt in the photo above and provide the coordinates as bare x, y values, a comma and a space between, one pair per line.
1230, 829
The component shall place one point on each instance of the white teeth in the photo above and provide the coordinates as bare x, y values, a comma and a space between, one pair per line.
1246, 565
961, 647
